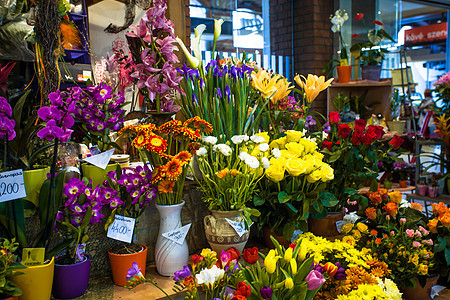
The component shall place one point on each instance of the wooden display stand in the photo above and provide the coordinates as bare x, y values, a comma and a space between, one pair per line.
378, 95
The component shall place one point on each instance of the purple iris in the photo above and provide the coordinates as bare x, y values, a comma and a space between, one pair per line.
310, 121
180, 275
133, 271
266, 292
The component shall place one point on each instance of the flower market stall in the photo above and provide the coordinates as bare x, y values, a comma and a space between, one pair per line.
211, 178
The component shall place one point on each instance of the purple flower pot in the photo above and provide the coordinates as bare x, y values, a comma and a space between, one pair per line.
433, 191
71, 281
422, 189
371, 72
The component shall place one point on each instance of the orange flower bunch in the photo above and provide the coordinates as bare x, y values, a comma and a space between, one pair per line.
441, 217
383, 200
169, 149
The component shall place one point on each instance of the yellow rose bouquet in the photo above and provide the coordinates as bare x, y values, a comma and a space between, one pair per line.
292, 183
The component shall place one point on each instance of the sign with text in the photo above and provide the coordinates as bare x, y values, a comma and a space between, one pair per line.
12, 185
121, 229
178, 235
33, 256
100, 160
426, 34
239, 227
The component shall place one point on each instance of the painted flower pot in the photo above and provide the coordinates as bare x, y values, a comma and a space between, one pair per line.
419, 292
120, 263
422, 189
36, 282
96, 174
220, 234
344, 73
325, 227
433, 191
169, 255
403, 183
371, 73
71, 281
33, 180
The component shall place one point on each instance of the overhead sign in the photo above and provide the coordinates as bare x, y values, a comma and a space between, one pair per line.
426, 34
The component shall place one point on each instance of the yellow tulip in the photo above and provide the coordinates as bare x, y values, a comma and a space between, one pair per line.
312, 85
271, 261
193, 61
293, 263
283, 89
264, 83
289, 283
288, 254
302, 252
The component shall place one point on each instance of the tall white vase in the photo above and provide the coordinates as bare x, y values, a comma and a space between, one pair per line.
170, 256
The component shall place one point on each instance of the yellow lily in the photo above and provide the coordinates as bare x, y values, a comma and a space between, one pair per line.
263, 82
193, 61
312, 85
283, 89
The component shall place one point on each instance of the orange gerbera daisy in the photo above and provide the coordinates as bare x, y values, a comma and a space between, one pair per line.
166, 186
141, 140
190, 133
173, 169
199, 124
169, 126
127, 128
156, 143
157, 174
183, 156
146, 127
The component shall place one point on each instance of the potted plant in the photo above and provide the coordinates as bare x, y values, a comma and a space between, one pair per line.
168, 148
344, 68
395, 124
422, 187
9, 267
230, 172
402, 170
388, 181
82, 208
433, 187
371, 54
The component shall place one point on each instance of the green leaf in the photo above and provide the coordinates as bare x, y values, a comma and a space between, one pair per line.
283, 197
291, 207
328, 199
288, 230
253, 211
257, 201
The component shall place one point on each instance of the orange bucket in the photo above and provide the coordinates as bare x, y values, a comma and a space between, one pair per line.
120, 263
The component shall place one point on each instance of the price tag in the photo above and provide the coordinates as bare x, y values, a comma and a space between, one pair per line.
239, 227
100, 160
122, 229
340, 224
12, 185
33, 256
178, 235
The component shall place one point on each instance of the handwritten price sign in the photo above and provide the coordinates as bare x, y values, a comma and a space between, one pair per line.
122, 229
12, 185
239, 227
178, 235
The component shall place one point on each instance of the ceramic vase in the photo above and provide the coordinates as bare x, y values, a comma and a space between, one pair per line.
170, 256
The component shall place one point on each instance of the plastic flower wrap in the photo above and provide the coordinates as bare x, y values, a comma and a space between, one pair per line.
439, 227
210, 274
81, 208
169, 149
293, 182
286, 273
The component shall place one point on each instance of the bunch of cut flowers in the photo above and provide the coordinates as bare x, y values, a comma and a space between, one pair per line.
439, 227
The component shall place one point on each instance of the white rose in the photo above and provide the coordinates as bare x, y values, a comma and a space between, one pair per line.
263, 147
212, 140
223, 148
210, 276
201, 151
252, 162
257, 139
276, 152
243, 155
265, 162
237, 139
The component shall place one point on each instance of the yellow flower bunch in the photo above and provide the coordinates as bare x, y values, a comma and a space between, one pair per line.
297, 156
312, 85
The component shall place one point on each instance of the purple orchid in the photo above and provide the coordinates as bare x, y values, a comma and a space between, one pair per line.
5, 108
7, 128
51, 131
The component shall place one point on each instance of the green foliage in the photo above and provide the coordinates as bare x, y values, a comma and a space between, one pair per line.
368, 54
9, 267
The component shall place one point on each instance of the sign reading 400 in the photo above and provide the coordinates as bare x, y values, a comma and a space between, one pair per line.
122, 229
12, 185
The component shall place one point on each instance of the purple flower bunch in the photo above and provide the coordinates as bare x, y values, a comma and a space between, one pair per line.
132, 187
58, 116
79, 197
6, 124
155, 72
400, 166
99, 108
234, 72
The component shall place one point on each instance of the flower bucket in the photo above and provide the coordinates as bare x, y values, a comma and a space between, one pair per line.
220, 234
325, 227
403, 183
33, 180
433, 191
397, 126
71, 281
96, 174
5, 297
169, 255
371, 73
120, 263
420, 293
36, 282
344, 73
422, 189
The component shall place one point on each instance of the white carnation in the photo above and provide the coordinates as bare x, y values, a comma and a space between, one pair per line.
201, 151
252, 162
237, 139
257, 139
212, 140
263, 147
223, 148
265, 162
276, 152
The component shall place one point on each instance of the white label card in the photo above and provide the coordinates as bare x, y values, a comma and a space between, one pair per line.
12, 185
122, 229
239, 227
100, 160
340, 224
178, 235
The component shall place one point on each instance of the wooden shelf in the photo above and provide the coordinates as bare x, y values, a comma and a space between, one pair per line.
364, 83
440, 198
395, 187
